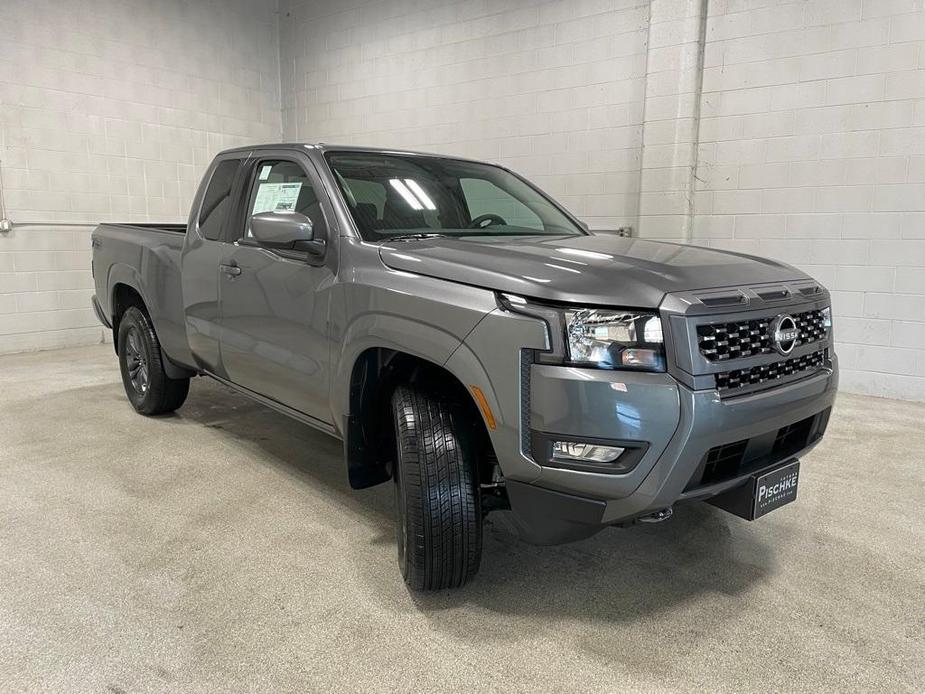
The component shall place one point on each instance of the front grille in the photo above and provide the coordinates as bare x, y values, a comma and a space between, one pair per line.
748, 338
768, 372
811, 325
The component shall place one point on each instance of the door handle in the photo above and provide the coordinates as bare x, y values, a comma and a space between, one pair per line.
233, 270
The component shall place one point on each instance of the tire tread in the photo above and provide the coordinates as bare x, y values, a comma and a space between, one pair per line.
443, 512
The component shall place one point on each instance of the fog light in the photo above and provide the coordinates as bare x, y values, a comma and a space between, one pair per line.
585, 452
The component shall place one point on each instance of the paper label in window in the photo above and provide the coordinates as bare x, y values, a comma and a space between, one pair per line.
265, 171
276, 197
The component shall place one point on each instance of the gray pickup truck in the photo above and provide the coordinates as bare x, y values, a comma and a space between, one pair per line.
469, 339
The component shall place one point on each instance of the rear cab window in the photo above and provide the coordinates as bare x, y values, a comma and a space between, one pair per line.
217, 202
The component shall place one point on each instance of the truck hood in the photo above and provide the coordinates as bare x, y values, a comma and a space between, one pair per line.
597, 269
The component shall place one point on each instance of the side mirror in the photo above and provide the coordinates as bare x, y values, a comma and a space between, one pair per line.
286, 231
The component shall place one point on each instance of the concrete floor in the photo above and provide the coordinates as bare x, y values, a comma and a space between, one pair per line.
221, 550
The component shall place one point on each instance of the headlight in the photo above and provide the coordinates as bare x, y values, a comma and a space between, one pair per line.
827, 318
615, 339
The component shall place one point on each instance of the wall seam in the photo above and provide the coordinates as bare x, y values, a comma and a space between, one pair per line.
642, 123
695, 143
279, 66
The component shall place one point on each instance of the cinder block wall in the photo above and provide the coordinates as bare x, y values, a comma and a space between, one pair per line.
110, 110
812, 150
792, 130
553, 89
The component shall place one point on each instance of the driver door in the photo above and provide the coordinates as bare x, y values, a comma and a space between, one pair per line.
274, 303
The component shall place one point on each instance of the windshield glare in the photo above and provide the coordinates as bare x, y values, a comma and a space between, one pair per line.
392, 195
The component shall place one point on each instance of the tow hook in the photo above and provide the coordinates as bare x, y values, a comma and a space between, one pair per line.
658, 516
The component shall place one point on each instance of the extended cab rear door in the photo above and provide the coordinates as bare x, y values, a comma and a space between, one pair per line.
218, 205
274, 303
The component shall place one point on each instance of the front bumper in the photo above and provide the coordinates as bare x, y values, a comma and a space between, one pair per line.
698, 444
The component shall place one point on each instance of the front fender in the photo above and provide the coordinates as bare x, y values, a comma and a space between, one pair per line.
425, 317
425, 341
494, 356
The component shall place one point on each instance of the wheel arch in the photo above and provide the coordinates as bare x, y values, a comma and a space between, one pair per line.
125, 293
368, 442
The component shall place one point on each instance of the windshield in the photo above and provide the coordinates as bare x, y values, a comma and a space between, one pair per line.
393, 195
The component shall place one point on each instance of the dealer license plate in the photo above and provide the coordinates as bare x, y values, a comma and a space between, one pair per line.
761, 493
775, 488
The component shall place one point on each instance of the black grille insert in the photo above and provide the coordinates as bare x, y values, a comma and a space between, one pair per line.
793, 436
723, 462
811, 325
731, 460
748, 338
757, 375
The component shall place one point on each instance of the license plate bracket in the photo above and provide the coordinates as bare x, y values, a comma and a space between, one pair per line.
762, 493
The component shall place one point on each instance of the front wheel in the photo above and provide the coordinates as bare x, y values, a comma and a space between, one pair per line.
436, 492
148, 387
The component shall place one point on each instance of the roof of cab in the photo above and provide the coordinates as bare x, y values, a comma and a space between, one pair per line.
327, 147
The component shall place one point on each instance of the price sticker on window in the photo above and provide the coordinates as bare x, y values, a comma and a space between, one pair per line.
276, 197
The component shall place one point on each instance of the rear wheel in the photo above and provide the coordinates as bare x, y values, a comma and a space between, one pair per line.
436, 492
148, 387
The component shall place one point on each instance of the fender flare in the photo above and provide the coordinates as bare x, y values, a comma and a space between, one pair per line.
407, 336
120, 273
385, 331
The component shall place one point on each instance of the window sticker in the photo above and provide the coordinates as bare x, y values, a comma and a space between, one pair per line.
265, 171
276, 197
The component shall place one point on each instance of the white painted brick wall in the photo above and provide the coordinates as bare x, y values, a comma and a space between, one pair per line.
811, 136
807, 141
670, 132
111, 110
553, 89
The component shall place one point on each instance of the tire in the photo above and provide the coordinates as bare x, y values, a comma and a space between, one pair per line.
148, 387
436, 492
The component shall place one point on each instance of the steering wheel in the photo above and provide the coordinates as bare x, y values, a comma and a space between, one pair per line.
483, 221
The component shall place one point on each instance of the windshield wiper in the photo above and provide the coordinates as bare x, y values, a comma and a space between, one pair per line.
415, 237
